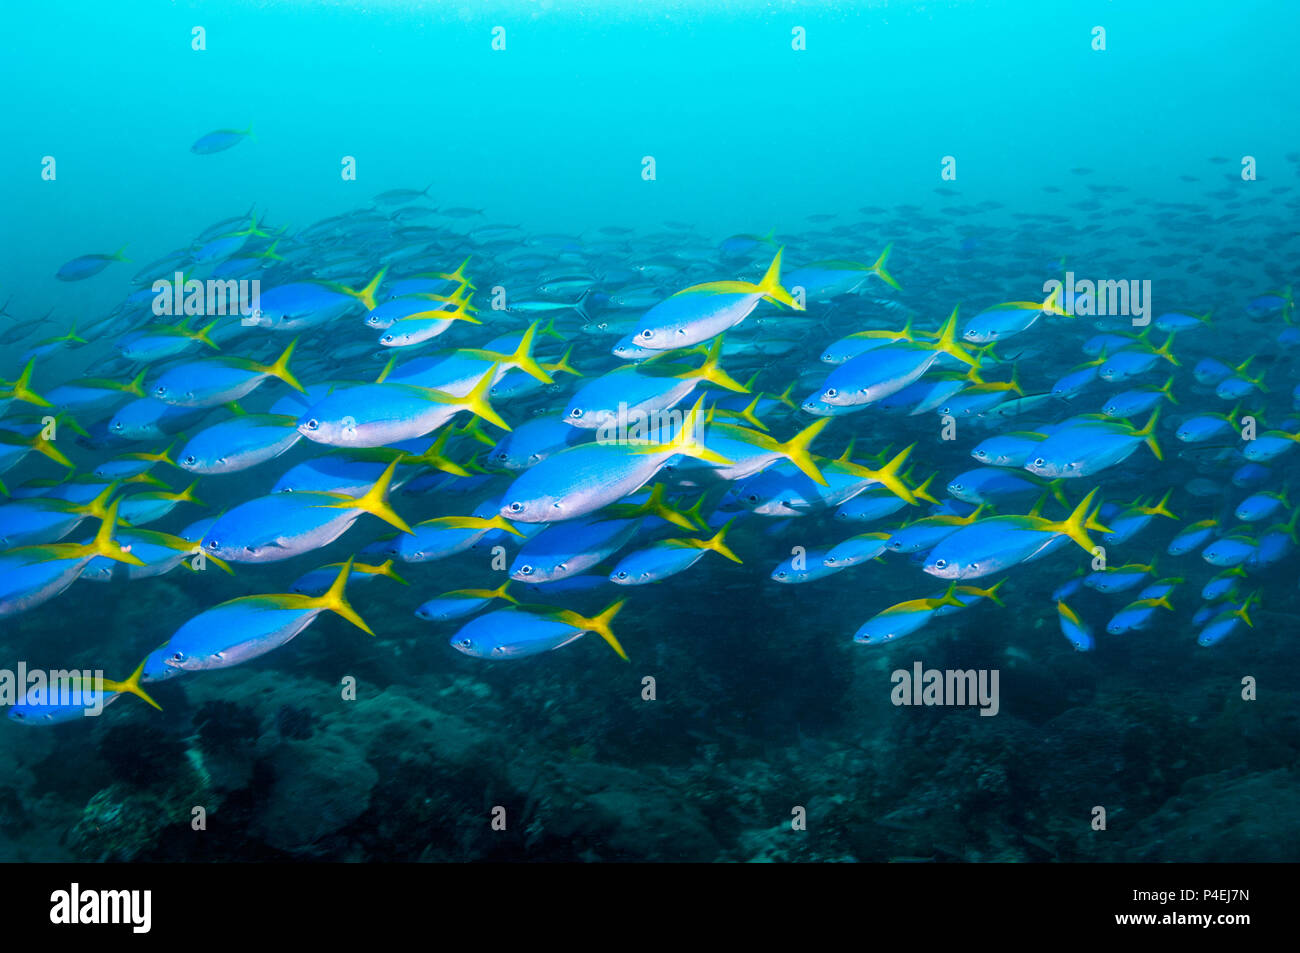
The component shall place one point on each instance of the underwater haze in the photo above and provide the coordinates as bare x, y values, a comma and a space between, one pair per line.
650, 431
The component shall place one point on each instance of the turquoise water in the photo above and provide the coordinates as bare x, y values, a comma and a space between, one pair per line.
990, 145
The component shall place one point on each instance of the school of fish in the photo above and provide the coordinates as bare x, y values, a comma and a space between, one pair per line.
561, 403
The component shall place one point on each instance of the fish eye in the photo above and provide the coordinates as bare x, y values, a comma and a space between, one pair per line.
576, 412
647, 334
780, 574
213, 545
622, 574
516, 507
386, 339
160, 390
1039, 462
940, 563
313, 424
178, 656
191, 460
831, 392
525, 570
467, 643
753, 497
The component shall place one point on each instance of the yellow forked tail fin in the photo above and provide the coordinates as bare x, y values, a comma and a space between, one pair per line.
476, 401
458, 275
947, 341
657, 505
989, 593
1168, 390
437, 458
383, 569
204, 334
98, 507
46, 447
131, 686
1164, 351
135, 385
1243, 613
717, 543
949, 598
1052, 304
890, 477
879, 269
21, 389
366, 295
563, 365
104, 544
750, 413
922, 490
478, 522
1149, 432
280, 369
335, 601
522, 357
712, 371
685, 441
548, 330
599, 624
770, 286
375, 500
1077, 524
796, 450
1162, 508
187, 495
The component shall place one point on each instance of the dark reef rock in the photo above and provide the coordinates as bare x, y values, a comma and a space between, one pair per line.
1217, 819
294, 724
226, 726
